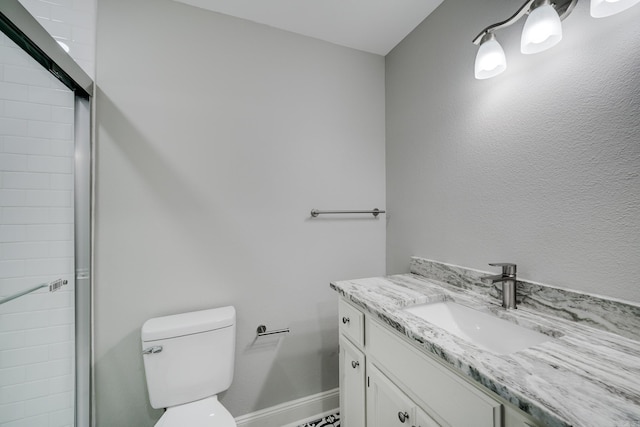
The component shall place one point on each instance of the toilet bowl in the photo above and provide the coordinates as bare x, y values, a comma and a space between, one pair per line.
207, 412
188, 360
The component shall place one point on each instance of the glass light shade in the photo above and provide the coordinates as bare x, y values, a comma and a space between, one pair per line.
490, 60
542, 30
604, 8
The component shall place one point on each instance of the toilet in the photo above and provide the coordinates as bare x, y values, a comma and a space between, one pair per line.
188, 360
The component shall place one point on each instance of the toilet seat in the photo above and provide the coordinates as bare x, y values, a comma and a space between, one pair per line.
201, 413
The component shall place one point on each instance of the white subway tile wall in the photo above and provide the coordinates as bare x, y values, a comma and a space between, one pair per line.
71, 22
36, 241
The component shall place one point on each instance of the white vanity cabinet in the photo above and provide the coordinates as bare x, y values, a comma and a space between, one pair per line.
423, 420
388, 406
351, 323
436, 388
352, 366
352, 385
386, 381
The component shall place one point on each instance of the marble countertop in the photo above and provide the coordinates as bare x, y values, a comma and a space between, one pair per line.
582, 376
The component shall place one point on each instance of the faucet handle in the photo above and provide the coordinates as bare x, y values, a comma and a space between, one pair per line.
508, 268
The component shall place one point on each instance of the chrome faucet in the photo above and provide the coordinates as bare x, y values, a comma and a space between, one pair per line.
508, 280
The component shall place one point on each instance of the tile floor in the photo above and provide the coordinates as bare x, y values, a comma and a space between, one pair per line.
332, 420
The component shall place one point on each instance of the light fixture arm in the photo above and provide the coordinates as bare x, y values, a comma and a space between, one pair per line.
506, 23
563, 7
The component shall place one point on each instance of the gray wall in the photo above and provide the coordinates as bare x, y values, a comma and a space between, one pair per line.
215, 138
538, 166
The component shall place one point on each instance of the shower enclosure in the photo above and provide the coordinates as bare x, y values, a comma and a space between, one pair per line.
45, 228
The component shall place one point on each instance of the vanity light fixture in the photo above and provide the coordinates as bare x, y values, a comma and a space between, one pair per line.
490, 60
542, 30
604, 8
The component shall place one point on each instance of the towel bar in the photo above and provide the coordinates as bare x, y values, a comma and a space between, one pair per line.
375, 212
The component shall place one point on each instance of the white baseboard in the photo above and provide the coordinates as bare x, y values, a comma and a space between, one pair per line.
288, 413
314, 417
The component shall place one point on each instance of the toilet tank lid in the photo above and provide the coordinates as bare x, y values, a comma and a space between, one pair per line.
188, 323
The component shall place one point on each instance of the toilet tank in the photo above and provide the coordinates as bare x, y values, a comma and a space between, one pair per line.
189, 356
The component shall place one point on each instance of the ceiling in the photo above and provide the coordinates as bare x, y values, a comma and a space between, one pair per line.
375, 26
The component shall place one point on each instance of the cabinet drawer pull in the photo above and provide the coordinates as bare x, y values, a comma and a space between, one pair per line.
345, 320
403, 416
354, 364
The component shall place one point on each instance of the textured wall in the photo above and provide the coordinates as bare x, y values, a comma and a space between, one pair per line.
538, 166
215, 138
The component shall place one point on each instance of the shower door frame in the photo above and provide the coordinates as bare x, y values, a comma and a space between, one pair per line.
20, 26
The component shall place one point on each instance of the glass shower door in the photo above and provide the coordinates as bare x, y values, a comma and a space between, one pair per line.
37, 330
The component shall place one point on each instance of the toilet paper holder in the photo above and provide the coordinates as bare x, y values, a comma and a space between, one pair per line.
262, 331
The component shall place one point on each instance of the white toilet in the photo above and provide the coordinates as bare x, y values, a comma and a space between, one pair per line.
188, 360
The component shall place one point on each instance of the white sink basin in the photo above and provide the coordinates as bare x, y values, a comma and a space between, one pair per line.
479, 328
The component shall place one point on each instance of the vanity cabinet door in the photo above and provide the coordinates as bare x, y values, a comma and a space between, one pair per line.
387, 406
352, 385
423, 420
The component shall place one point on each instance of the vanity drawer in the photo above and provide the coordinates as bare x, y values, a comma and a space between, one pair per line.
351, 322
433, 386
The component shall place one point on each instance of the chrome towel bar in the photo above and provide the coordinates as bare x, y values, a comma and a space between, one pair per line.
375, 212
262, 331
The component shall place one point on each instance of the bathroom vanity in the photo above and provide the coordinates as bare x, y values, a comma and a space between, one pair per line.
399, 385
399, 369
